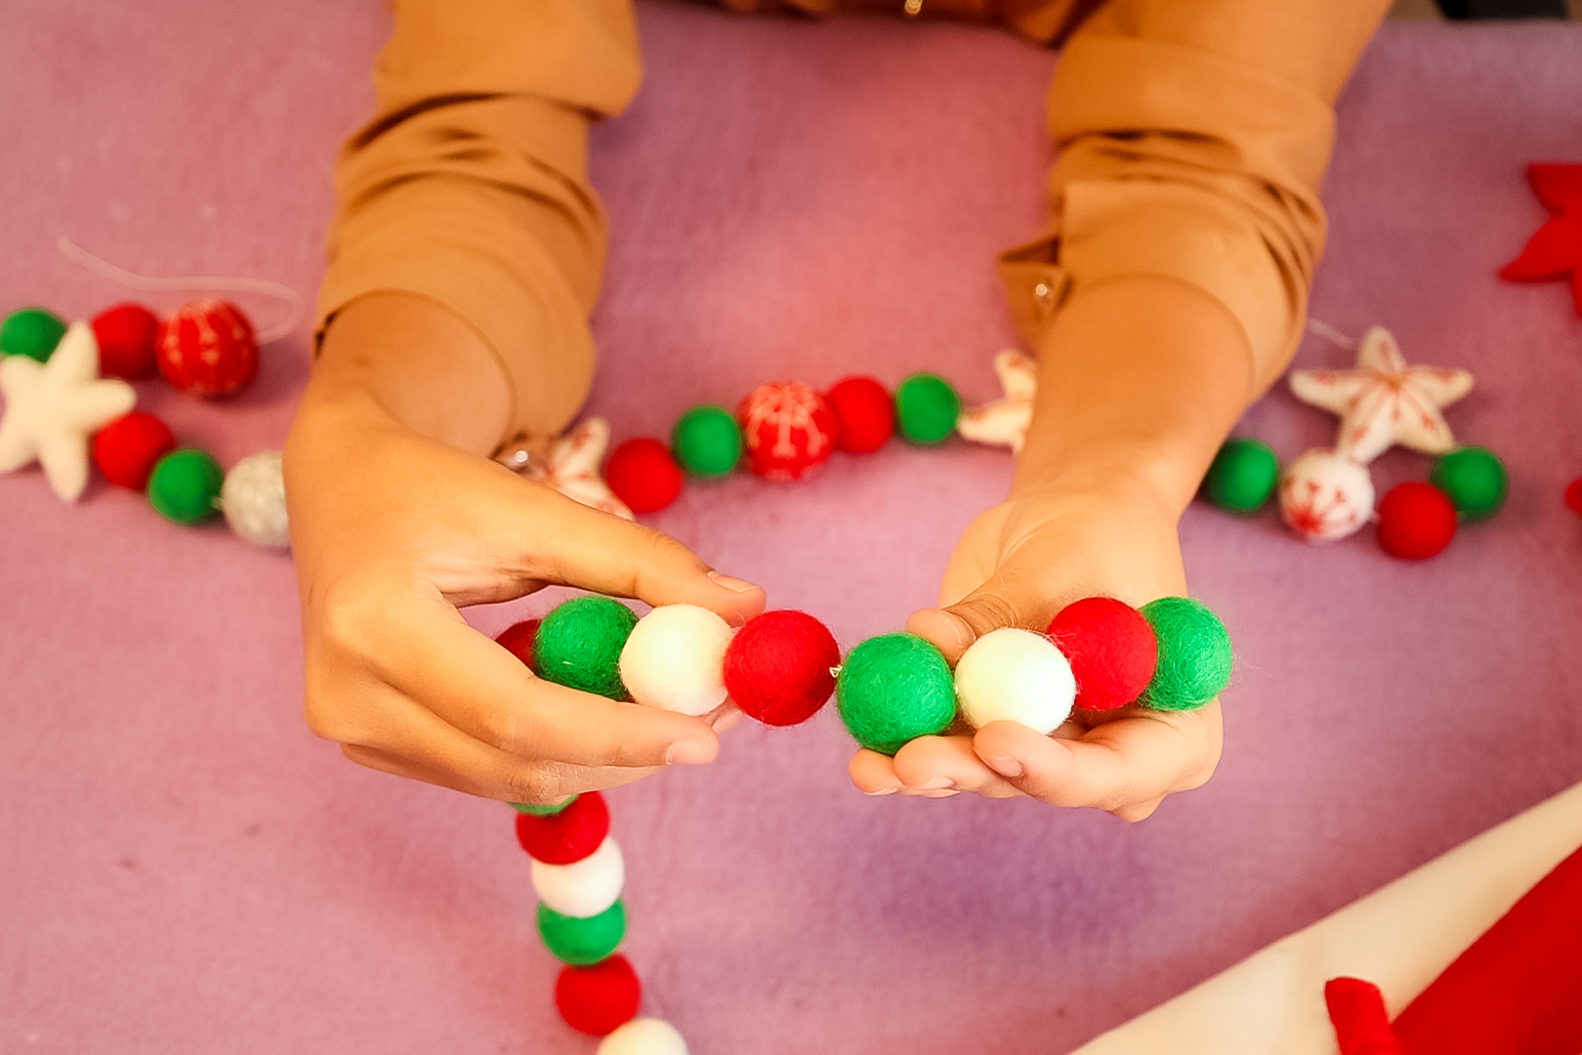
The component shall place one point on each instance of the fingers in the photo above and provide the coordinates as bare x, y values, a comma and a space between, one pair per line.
512, 781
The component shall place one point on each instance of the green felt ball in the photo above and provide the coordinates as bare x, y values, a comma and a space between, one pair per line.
1243, 476
581, 941
892, 689
1194, 654
707, 441
185, 486
33, 332
579, 645
926, 408
542, 811
1474, 479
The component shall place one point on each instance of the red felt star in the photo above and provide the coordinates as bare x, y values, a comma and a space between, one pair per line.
1556, 250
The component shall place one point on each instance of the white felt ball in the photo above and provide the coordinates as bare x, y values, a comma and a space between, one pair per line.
644, 1036
1012, 675
583, 888
1325, 495
253, 499
675, 659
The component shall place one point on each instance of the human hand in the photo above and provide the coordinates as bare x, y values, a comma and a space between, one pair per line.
1018, 564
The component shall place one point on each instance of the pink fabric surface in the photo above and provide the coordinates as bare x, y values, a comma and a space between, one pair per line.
184, 868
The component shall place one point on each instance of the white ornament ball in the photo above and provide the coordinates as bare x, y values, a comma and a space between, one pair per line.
583, 888
253, 499
644, 1036
1012, 675
675, 659
1325, 495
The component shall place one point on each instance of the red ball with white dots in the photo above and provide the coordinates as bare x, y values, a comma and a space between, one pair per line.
643, 474
568, 836
600, 998
1111, 648
778, 667
1416, 520
126, 449
864, 414
126, 334
788, 430
207, 348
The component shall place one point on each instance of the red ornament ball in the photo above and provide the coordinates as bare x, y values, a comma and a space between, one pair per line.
517, 639
642, 474
1416, 520
778, 667
126, 449
568, 836
788, 429
1111, 648
864, 414
597, 999
207, 349
126, 335
1574, 495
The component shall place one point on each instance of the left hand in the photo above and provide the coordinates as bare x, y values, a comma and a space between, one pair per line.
1018, 564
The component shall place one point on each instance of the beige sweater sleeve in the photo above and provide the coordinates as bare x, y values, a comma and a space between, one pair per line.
469, 186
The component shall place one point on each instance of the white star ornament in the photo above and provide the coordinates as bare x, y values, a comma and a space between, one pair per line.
1004, 422
52, 408
1385, 401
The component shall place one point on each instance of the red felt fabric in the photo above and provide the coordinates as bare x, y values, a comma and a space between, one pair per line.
1556, 250
1111, 648
597, 999
864, 412
778, 667
126, 449
1416, 520
568, 836
126, 335
1357, 1011
518, 639
643, 474
207, 348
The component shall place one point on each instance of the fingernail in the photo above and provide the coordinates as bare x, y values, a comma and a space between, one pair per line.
962, 630
688, 753
937, 784
731, 582
1004, 765
881, 791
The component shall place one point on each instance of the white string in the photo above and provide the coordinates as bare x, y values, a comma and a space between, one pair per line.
192, 283
1329, 333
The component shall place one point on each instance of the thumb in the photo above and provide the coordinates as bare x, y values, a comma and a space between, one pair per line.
1013, 596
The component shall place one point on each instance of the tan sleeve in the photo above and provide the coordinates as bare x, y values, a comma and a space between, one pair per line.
470, 187
1193, 138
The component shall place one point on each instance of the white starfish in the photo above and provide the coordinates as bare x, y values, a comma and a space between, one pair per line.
1384, 401
572, 467
51, 409
1004, 421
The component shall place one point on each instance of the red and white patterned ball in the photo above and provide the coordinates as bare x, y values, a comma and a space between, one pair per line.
207, 348
788, 428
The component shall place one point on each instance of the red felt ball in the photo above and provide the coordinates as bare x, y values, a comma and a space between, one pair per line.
642, 474
778, 667
788, 430
1111, 649
1574, 495
126, 335
207, 349
600, 998
1416, 520
864, 414
518, 640
126, 449
568, 836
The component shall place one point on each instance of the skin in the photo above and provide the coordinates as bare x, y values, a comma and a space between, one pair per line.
1140, 381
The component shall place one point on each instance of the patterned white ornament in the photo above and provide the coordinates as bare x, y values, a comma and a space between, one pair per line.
1004, 422
253, 499
1384, 401
1325, 495
572, 467
52, 408
643, 1036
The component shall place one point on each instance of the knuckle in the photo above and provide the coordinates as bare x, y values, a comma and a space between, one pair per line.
532, 784
350, 619
988, 611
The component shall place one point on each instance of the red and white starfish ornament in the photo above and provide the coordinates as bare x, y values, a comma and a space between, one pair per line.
1556, 250
1004, 422
572, 466
1385, 401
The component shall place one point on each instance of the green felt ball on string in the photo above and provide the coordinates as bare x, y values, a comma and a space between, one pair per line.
1194, 654
185, 486
33, 332
894, 688
1243, 476
579, 645
707, 441
1474, 479
542, 811
581, 941
926, 408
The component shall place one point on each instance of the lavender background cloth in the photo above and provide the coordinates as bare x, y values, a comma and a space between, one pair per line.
184, 868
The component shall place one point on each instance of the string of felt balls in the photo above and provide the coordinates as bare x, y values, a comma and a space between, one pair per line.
780, 668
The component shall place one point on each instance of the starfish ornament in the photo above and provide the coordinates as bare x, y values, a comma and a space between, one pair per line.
1384, 401
1556, 250
52, 408
1004, 421
572, 467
